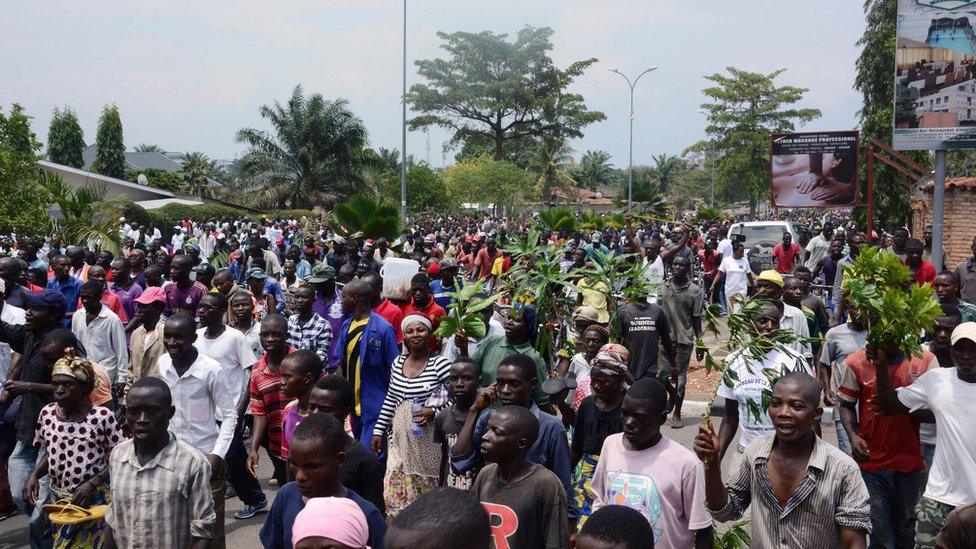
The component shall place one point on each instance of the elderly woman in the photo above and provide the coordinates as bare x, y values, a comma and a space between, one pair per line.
593, 338
407, 417
597, 417
76, 438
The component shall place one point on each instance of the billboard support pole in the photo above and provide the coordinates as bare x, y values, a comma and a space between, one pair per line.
870, 198
938, 208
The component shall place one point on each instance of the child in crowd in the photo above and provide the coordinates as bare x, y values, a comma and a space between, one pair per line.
524, 500
616, 526
362, 471
653, 474
317, 453
444, 517
299, 372
464, 383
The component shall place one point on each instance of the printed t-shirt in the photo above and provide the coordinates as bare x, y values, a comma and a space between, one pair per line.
640, 326
529, 512
736, 273
446, 430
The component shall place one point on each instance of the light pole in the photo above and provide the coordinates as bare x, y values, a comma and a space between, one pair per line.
630, 164
403, 144
714, 155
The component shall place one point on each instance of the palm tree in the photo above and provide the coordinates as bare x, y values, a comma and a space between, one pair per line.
558, 219
144, 148
669, 167
389, 158
314, 155
552, 162
373, 217
85, 216
196, 173
595, 169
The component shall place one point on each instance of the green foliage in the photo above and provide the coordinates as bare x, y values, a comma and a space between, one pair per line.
497, 91
875, 67
314, 156
552, 163
704, 213
465, 315
669, 169
594, 169
195, 174
135, 214
22, 206
110, 149
487, 181
622, 275
87, 218
426, 191
65, 140
374, 218
160, 179
746, 108
287, 214
895, 308
171, 215
144, 148
558, 219
736, 537
589, 221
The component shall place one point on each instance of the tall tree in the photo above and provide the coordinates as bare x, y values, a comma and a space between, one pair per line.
746, 108
109, 147
315, 154
875, 70
146, 148
551, 162
65, 140
595, 169
496, 91
669, 170
196, 173
22, 207
485, 180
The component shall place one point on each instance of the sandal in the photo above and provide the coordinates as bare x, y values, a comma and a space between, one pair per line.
66, 513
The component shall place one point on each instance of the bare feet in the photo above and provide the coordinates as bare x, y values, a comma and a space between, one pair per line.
676, 422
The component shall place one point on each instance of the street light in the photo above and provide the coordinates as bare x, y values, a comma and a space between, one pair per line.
403, 144
714, 156
630, 164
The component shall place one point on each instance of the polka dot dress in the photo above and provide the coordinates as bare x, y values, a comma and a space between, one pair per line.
76, 450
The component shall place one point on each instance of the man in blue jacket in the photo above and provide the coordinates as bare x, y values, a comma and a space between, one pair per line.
365, 351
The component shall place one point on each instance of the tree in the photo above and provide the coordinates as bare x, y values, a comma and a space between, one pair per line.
595, 169
196, 173
86, 217
314, 156
65, 140
425, 190
485, 180
551, 161
22, 207
669, 169
747, 107
498, 91
160, 179
875, 68
389, 159
144, 148
361, 213
109, 148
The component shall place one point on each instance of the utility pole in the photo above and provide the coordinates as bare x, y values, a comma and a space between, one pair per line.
630, 164
403, 142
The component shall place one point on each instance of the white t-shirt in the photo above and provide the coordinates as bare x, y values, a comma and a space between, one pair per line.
736, 274
234, 354
751, 384
654, 273
725, 247
952, 479
10, 315
818, 248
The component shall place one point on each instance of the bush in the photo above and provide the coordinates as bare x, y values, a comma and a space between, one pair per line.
136, 214
160, 179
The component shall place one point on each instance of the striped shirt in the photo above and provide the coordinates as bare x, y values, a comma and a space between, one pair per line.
831, 496
164, 503
268, 399
315, 335
428, 383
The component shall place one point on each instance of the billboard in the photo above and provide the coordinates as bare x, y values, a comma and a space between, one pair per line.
935, 75
814, 170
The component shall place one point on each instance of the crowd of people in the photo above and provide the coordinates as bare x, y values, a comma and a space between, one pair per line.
142, 392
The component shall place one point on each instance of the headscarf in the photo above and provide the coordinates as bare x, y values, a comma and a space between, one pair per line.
339, 519
613, 358
413, 318
78, 368
600, 329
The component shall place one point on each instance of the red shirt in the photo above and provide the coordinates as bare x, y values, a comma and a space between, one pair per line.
893, 440
709, 263
786, 258
268, 399
393, 315
925, 273
433, 311
486, 261
113, 303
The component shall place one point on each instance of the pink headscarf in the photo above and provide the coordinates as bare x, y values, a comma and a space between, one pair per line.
339, 519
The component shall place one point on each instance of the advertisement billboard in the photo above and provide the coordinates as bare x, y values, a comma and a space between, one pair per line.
935, 75
814, 169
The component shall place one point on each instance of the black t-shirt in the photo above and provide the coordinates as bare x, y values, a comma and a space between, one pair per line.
446, 430
593, 426
363, 473
641, 325
530, 512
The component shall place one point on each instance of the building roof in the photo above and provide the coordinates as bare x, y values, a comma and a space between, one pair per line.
137, 160
954, 183
159, 203
579, 195
120, 186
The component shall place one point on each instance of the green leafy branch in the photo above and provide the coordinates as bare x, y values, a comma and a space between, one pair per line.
465, 314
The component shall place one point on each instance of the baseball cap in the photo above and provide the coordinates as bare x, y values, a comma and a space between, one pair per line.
255, 272
151, 295
47, 299
322, 273
966, 330
770, 275
205, 268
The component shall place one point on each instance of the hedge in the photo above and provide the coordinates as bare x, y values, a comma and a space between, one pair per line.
286, 214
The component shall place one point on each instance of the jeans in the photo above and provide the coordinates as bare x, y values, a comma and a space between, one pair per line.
248, 488
20, 465
843, 441
218, 488
893, 499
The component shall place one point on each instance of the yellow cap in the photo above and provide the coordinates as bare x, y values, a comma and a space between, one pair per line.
772, 276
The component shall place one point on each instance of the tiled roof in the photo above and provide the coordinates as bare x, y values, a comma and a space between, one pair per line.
955, 183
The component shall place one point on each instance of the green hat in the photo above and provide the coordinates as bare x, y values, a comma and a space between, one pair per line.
322, 273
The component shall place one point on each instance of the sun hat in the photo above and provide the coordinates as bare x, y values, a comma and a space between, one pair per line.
770, 275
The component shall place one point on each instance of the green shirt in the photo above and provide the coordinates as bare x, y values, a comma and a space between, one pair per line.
968, 311
492, 350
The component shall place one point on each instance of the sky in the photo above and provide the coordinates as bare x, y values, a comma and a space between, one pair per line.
188, 75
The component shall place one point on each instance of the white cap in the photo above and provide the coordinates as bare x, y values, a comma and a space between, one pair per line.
966, 330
